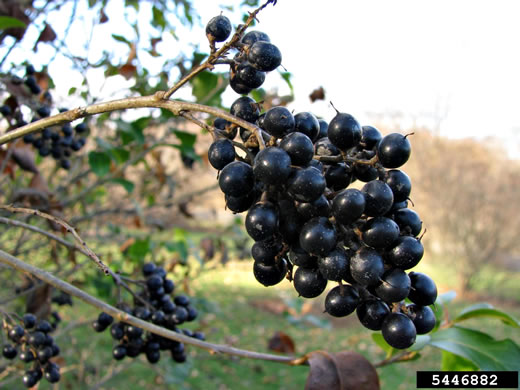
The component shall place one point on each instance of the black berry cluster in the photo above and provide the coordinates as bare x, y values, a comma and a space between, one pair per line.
31, 341
163, 309
59, 142
256, 56
302, 211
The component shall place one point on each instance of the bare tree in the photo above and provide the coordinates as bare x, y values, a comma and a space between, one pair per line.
467, 192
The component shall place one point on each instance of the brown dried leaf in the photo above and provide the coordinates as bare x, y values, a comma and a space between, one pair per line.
127, 71
23, 155
208, 248
317, 94
133, 53
281, 342
39, 183
47, 35
103, 18
39, 301
341, 371
124, 246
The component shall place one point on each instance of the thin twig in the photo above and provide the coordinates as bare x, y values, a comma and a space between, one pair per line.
120, 315
400, 357
151, 101
218, 54
66, 226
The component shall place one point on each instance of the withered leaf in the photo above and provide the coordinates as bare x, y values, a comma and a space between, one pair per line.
39, 301
281, 342
317, 94
103, 18
127, 71
340, 371
23, 156
47, 35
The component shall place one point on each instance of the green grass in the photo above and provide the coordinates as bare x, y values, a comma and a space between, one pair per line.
236, 310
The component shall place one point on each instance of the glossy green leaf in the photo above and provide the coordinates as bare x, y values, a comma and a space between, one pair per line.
120, 155
451, 362
204, 84
421, 341
486, 310
127, 184
121, 38
158, 18
99, 162
446, 297
479, 348
138, 250
287, 77
9, 22
380, 341
187, 140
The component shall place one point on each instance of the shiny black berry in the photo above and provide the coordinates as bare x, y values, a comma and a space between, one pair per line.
221, 153
367, 267
262, 221
406, 252
378, 198
394, 287
264, 56
309, 283
272, 166
318, 236
335, 265
245, 108
400, 184
341, 301
9, 352
399, 331
278, 121
370, 136
422, 317
299, 147
408, 220
393, 150
218, 28
344, 131
308, 124
372, 313
348, 206
423, 291
380, 232
306, 184
254, 36
236, 179
272, 274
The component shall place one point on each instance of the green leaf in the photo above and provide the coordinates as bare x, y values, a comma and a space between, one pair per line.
203, 85
99, 163
445, 298
479, 348
451, 362
287, 77
158, 18
9, 22
127, 184
486, 310
187, 140
380, 341
72, 90
138, 250
258, 94
421, 341
120, 155
121, 38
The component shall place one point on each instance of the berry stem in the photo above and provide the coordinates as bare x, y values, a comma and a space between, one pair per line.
120, 315
217, 55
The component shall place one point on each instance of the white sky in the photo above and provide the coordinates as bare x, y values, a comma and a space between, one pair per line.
389, 62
